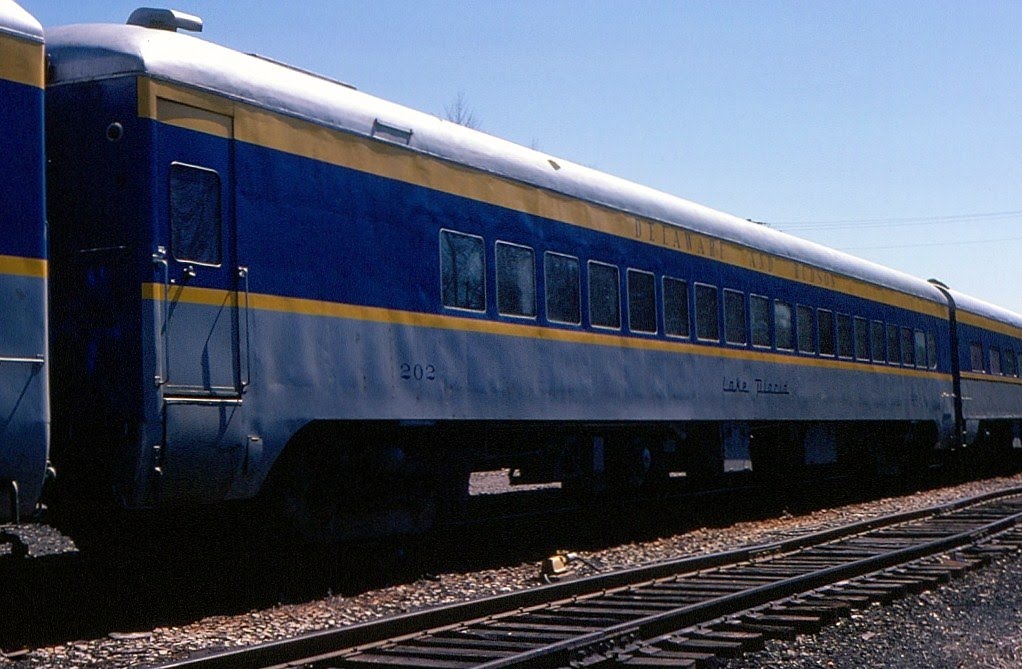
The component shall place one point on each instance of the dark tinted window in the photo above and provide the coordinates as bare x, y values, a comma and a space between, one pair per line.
907, 348
195, 214
995, 360
759, 317
675, 307
516, 280
920, 346
876, 330
707, 315
976, 356
463, 271
826, 332
641, 301
783, 329
562, 289
604, 296
806, 331
734, 317
844, 335
931, 350
861, 326
893, 345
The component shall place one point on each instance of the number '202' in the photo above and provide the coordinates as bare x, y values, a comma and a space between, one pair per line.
417, 372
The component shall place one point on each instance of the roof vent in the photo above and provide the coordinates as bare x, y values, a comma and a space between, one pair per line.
164, 19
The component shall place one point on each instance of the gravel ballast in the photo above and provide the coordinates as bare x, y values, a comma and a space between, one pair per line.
985, 623
971, 623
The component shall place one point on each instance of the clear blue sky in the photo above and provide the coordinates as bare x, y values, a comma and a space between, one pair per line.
890, 129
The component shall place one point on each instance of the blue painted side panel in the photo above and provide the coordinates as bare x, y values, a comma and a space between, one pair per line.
24, 402
97, 224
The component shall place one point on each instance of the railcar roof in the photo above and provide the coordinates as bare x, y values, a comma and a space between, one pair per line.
14, 20
90, 52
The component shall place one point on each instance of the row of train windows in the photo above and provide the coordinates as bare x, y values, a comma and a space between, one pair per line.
803, 329
1002, 361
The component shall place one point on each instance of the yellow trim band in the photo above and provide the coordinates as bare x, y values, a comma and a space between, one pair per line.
22, 61
306, 307
992, 378
19, 266
989, 324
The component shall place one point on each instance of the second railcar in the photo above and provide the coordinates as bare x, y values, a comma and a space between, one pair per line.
24, 401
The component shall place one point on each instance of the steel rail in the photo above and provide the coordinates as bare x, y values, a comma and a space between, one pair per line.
338, 643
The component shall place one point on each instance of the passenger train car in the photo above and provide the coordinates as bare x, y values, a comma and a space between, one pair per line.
267, 284
24, 401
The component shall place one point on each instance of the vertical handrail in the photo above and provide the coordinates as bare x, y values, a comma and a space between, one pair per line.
246, 378
163, 363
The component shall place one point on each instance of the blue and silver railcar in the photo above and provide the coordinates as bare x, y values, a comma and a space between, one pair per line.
24, 403
263, 271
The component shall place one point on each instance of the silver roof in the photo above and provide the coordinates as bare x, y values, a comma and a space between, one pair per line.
87, 52
16, 21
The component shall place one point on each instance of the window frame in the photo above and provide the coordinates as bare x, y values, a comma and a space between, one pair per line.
861, 325
688, 311
768, 321
219, 214
443, 301
716, 316
893, 356
617, 284
878, 334
809, 332
496, 261
850, 339
629, 272
994, 359
792, 339
976, 353
744, 315
546, 288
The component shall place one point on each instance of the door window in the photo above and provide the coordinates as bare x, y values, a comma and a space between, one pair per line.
195, 234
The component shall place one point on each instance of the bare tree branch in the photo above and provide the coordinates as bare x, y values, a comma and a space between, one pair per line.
459, 112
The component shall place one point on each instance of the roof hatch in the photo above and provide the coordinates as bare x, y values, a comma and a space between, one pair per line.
165, 19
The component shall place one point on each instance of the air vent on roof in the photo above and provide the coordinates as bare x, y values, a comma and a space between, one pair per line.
391, 133
164, 19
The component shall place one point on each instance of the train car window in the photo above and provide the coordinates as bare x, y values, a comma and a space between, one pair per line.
844, 335
195, 234
675, 307
1008, 362
604, 295
1018, 366
920, 346
759, 317
893, 345
908, 357
861, 327
707, 313
782, 326
562, 288
976, 356
876, 339
995, 360
641, 301
734, 317
806, 331
931, 350
826, 318
463, 271
516, 280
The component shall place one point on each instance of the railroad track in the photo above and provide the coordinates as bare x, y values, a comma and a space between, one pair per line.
679, 613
